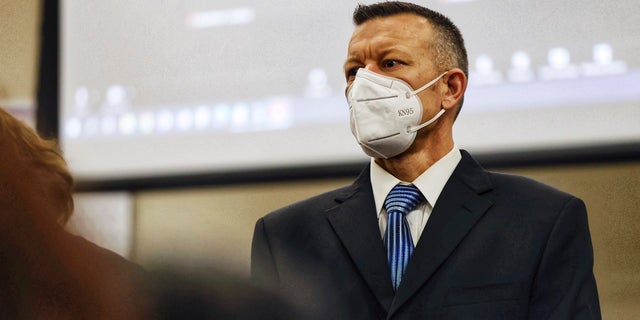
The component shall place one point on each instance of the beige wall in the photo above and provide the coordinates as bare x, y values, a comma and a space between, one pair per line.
19, 30
214, 225
210, 225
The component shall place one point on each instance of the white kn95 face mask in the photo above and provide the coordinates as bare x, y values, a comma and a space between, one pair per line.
385, 113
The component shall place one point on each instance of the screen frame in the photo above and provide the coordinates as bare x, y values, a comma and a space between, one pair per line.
49, 120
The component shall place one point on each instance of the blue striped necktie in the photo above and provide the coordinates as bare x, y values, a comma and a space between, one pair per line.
400, 201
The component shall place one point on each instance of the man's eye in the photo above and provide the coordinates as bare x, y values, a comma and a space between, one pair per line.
387, 64
352, 72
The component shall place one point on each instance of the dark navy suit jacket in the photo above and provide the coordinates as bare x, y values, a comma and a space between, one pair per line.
496, 247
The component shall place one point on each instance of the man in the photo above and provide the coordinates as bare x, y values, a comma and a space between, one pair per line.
466, 243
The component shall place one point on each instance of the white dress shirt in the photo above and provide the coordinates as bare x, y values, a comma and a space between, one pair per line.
430, 183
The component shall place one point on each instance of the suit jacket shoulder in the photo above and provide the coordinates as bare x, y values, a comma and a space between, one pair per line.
313, 208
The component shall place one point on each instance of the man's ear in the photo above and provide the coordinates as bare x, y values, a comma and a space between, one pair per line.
456, 83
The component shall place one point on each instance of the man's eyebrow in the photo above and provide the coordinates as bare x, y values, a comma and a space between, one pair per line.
391, 49
351, 59
355, 58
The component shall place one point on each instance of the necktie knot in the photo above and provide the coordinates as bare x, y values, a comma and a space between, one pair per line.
403, 199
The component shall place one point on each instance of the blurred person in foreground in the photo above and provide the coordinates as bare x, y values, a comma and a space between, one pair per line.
48, 273
424, 232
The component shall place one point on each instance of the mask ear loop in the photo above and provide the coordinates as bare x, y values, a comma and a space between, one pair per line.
418, 127
437, 116
432, 82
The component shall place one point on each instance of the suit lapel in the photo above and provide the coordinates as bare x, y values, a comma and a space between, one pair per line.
354, 221
459, 207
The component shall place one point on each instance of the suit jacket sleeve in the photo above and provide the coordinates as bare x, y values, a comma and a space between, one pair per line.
263, 269
565, 287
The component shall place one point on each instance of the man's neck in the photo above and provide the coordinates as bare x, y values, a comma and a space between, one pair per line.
418, 158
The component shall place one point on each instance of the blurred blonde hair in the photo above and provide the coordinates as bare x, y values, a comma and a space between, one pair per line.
40, 157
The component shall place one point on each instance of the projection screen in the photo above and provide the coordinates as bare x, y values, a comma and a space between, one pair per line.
152, 89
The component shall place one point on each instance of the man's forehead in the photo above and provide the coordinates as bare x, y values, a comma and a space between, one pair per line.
391, 31
398, 21
399, 26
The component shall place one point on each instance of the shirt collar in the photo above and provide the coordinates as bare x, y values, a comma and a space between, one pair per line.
430, 183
